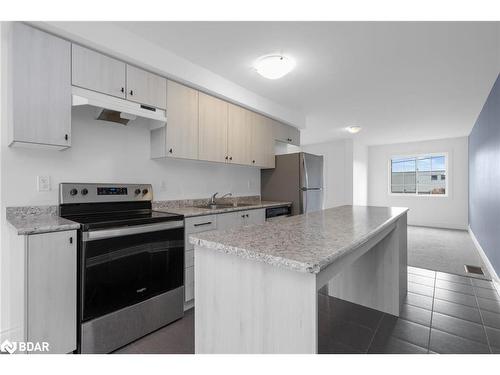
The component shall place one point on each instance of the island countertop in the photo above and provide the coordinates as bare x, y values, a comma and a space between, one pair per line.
303, 243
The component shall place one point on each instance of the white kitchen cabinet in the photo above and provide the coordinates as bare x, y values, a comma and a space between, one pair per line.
262, 141
213, 120
94, 71
41, 89
285, 133
239, 219
254, 217
146, 88
179, 138
51, 290
239, 132
194, 225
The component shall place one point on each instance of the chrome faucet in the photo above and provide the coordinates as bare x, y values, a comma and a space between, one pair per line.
213, 201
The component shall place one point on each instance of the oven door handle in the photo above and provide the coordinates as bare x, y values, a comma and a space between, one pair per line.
93, 235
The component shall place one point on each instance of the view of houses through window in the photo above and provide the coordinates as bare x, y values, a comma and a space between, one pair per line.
421, 175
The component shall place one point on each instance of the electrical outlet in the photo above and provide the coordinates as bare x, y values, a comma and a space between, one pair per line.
43, 183
163, 186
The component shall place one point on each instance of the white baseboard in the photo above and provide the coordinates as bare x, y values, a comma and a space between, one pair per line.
485, 259
438, 225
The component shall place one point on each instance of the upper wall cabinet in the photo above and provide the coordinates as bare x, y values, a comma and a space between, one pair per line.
41, 89
179, 138
286, 133
146, 88
95, 71
213, 120
239, 132
262, 141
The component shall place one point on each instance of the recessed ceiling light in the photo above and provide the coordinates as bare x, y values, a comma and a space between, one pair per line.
354, 129
274, 66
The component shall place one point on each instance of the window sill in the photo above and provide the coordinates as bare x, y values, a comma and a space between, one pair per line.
419, 195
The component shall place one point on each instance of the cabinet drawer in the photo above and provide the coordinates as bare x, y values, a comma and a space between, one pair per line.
189, 284
200, 224
189, 258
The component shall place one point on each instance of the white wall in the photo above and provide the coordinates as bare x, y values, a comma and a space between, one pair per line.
445, 212
360, 174
337, 171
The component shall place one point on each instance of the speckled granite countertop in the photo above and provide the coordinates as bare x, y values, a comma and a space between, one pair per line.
40, 219
188, 211
304, 243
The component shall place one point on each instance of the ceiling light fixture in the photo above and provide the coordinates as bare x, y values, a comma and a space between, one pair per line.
274, 66
354, 129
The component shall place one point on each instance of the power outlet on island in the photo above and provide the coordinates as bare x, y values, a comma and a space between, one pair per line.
43, 183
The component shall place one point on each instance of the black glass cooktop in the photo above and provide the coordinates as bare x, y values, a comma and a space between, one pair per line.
121, 218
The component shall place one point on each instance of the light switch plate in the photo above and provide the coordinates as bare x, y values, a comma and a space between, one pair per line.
43, 183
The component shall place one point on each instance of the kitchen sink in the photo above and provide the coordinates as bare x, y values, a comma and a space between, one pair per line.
218, 206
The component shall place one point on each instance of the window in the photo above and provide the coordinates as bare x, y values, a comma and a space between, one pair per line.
419, 175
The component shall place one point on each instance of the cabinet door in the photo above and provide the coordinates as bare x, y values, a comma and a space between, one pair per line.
255, 217
213, 128
230, 220
280, 131
182, 121
262, 142
285, 133
51, 290
41, 88
95, 71
239, 131
294, 136
146, 88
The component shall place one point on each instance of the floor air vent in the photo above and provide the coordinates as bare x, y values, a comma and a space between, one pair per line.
473, 269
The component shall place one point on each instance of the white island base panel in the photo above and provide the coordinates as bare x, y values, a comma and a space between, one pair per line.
247, 306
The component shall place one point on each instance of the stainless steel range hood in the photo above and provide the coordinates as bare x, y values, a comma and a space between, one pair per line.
117, 110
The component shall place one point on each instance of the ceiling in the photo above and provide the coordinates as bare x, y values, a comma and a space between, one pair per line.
399, 81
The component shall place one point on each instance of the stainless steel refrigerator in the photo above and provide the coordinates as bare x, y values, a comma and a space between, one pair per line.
297, 178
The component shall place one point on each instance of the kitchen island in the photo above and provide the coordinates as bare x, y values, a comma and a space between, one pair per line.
256, 287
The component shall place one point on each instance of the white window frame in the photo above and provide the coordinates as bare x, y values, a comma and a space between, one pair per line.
431, 154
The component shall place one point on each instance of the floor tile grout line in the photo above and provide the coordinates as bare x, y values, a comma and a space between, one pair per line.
432, 313
456, 303
375, 333
482, 322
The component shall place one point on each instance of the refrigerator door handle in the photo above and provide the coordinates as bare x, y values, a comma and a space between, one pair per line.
305, 169
306, 189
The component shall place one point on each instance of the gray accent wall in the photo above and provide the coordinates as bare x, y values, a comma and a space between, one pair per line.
484, 177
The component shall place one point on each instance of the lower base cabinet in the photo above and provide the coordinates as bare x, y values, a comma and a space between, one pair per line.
193, 225
211, 222
51, 290
240, 219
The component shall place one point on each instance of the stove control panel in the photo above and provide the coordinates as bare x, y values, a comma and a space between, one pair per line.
102, 193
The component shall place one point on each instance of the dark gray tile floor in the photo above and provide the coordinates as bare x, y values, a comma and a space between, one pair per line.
443, 313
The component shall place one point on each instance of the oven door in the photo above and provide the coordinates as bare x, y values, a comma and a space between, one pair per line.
126, 265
